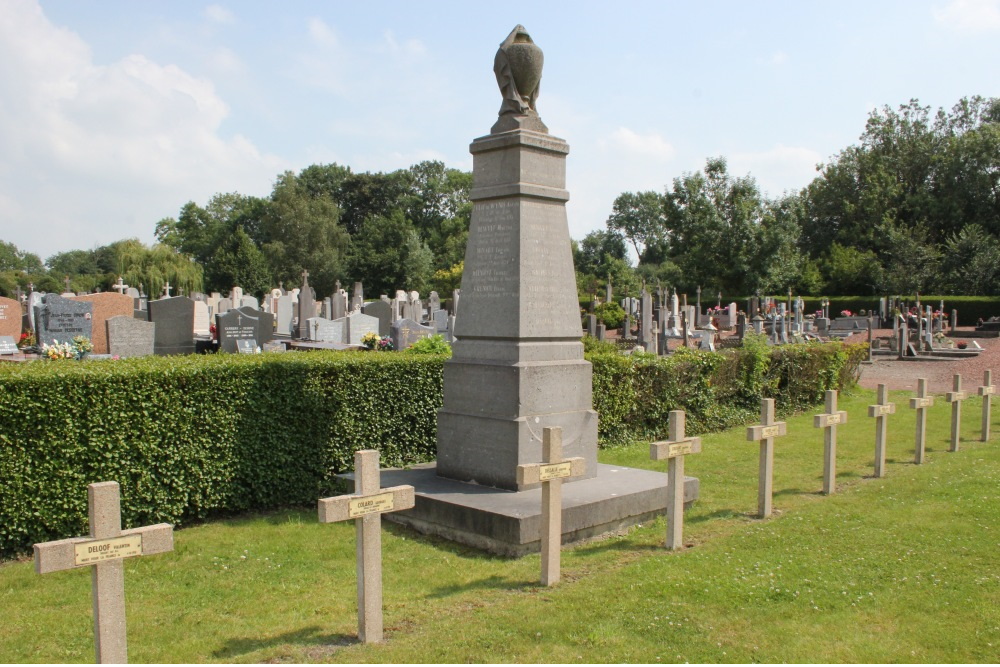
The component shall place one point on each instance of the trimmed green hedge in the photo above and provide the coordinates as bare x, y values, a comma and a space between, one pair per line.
190, 437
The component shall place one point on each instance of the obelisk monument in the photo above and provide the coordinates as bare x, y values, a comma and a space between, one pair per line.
517, 366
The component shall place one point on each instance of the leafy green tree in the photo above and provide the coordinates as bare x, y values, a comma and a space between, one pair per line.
639, 218
387, 255
238, 261
971, 262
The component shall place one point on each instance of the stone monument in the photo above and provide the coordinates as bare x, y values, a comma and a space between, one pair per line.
517, 367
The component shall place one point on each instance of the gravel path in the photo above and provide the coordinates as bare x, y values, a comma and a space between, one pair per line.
904, 374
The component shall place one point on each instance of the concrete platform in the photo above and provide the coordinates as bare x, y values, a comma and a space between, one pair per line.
508, 522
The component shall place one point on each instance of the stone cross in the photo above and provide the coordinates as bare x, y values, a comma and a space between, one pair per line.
987, 390
955, 397
880, 411
366, 507
920, 404
66, 280
103, 551
120, 285
674, 450
550, 473
828, 422
765, 433
166, 289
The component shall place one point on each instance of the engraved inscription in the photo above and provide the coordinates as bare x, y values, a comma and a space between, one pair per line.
921, 402
358, 507
554, 471
770, 431
679, 449
882, 410
90, 553
986, 391
494, 239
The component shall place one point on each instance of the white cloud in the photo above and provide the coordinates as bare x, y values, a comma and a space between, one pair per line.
651, 145
322, 34
970, 16
93, 153
219, 14
777, 169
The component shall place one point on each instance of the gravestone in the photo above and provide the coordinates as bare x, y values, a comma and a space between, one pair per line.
921, 403
338, 304
765, 434
828, 421
307, 307
34, 299
881, 411
283, 315
327, 331
674, 450
383, 311
407, 332
10, 318
234, 326
8, 345
249, 301
129, 337
433, 302
955, 397
247, 346
202, 321
174, 318
225, 305
440, 320
236, 295
358, 299
61, 319
358, 324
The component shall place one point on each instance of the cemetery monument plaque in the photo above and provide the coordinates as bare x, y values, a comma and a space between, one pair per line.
60, 318
8, 345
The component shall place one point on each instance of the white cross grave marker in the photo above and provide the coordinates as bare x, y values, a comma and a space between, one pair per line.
366, 508
551, 472
828, 422
986, 391
765, 433
674, 450
956, 397
880, 411
104, 550
920, 404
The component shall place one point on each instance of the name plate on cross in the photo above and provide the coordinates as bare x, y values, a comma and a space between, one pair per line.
545, 472
342, 508
668, 450
987, 391
924, 402
822, 421
762, 432
89, 553
953, 396
881, 410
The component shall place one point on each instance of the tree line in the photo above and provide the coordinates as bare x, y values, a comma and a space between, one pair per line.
914, 206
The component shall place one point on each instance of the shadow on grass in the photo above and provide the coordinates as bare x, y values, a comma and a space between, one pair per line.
492, 583
718, 514
305, 637
797, 492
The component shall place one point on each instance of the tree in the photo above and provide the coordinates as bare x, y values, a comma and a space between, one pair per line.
238, 261
971, 262
639, 218
387, 254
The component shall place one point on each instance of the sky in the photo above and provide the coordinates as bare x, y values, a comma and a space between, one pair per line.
113, 115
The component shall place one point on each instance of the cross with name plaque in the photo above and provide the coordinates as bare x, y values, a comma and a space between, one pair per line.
986, 391
765, 433
920, 404
955, 397
881, 412
366, 507
828, 422
550, 473
103, 551
674, 450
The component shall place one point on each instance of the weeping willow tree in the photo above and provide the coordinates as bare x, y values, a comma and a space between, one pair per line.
154, 267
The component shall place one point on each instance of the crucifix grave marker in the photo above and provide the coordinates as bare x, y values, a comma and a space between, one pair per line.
828, 422
104, 550
920, 404
550, 473
674, 450
166, 289
366, 507
881, 411
986, 391
955, 397
120, 285
766, 433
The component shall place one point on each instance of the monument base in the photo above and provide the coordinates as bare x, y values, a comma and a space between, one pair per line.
507, 523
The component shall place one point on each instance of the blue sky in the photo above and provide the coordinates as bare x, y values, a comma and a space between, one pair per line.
114, 114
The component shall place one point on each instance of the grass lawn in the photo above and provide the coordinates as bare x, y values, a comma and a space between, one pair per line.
900, 569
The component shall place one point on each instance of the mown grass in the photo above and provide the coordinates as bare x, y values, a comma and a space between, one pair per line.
899, 569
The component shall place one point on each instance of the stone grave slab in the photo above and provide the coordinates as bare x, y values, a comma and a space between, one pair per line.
105, 306
323, 330
130, 337
406, 332
383, 311
284, 315
10, 317
202, 320
249, 301
61, 319
358, 324
174, 318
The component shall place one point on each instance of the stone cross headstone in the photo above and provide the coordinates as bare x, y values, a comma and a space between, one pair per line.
120, 286
766, 433
920, 404
881, 412
103, 551
550, 473
674, 450
955, 397
366, 506
828, 422
986, 391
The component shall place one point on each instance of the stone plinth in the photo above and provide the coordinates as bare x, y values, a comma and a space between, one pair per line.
518, 365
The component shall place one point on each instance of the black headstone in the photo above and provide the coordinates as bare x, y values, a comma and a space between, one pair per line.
174, 318
383, 311
243, 324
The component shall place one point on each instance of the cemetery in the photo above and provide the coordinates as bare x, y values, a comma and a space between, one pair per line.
554, 489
